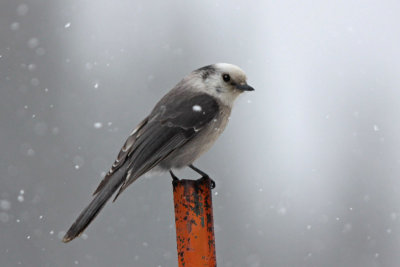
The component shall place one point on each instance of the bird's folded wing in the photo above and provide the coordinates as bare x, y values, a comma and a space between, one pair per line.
170, 128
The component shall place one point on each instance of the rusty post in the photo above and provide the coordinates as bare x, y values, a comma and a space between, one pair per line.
194, 223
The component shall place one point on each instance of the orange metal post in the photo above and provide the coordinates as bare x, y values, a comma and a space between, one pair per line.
194, 223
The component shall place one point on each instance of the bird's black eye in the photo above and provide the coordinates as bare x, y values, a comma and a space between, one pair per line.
226, 77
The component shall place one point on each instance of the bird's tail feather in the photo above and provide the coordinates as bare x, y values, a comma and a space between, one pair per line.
91, 211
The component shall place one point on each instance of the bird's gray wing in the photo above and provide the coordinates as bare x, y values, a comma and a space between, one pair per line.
173, 125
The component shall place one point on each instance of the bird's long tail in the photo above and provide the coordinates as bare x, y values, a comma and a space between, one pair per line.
90, 212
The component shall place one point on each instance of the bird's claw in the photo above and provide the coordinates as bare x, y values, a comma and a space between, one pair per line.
212, 182
174, 177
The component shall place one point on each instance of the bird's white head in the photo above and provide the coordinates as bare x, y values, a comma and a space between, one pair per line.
223, 81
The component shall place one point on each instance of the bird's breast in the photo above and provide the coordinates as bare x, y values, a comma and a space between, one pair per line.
200, 143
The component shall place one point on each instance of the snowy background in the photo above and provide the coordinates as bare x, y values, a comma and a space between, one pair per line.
307, 172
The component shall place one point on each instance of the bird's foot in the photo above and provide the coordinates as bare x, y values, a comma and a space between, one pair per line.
212, 183
174, 177
203, 175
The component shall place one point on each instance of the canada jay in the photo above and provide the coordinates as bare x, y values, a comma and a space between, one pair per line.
182, 126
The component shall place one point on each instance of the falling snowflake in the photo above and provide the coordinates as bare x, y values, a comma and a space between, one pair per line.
196, 108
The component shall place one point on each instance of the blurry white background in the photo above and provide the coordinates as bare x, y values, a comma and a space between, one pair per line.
307, 172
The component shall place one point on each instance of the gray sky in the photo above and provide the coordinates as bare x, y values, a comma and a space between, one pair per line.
307, 171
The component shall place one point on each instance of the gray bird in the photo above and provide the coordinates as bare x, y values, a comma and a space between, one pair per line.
183, 125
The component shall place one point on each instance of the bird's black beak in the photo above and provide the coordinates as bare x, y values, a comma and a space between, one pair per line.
244, 87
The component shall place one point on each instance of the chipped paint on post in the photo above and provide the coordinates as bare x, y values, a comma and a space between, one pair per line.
194, 223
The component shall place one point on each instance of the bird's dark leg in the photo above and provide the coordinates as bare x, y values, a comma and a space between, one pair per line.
174, 178
203, 174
